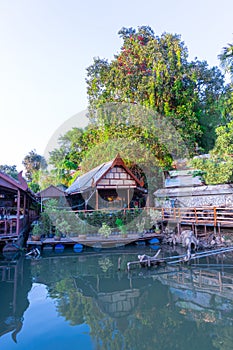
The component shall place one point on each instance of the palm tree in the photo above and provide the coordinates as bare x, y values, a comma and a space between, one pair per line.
226, 59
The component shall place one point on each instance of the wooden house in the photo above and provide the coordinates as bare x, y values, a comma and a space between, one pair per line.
16, 212
110, 185
53, 192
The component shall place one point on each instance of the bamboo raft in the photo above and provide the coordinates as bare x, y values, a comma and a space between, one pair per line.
148, 261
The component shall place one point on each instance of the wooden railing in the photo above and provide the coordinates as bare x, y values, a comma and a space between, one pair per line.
212, 216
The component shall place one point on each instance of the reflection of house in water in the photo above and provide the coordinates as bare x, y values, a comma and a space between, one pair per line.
14, 287
118, 303
115, 299
89, 288
115, 294
202, 293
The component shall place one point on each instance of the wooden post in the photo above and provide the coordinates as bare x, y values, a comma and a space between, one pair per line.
24, 203
25, 216
18, 213
219, 229
128, 206
195, 230
96, 200
195, 213
215, 217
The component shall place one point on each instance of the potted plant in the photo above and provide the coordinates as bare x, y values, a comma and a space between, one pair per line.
62, 227
57, 235
82, 229
121, 227
123, 230
140, 227
36, 233
105, 230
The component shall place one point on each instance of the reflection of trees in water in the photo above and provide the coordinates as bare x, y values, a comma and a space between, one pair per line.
133, 311
15, 284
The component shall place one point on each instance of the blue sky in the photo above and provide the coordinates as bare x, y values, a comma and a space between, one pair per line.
46, 46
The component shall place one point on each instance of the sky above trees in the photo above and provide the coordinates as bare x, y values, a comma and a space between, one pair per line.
47, 46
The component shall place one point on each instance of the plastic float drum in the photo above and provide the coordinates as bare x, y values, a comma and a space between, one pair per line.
78, 248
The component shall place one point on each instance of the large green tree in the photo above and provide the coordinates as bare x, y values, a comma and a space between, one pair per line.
155, 72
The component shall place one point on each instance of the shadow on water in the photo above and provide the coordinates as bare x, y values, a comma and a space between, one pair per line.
168, 307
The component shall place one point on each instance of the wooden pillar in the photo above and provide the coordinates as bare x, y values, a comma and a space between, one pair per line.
128, 198
215, 217
195, 228
25, 218
18, 213
24, 203
96, 200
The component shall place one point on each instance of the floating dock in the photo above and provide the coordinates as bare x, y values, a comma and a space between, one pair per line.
93, 241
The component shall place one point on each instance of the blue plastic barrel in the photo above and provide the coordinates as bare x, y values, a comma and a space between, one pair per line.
78, 248
154, 241
59, 247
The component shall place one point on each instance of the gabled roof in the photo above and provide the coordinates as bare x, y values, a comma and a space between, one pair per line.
11, 183
51, 192
92, 177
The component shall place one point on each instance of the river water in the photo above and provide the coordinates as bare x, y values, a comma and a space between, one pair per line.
82, 301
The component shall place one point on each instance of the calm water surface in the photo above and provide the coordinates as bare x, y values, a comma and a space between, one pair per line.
81, 301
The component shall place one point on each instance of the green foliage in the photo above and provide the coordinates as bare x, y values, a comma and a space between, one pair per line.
32, 163
9, 170
62, 226
154, 72
35, 187
105, 230
227, 104
224, 141
226, 59
37, 230
46, 223
214, 170
218, 167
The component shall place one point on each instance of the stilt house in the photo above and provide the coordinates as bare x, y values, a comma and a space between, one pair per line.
110, 185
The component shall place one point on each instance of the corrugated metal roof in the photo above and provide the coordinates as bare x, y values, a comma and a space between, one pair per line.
186, 172
51, 191
87, 180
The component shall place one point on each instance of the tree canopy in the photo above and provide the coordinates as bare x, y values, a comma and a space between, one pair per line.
155, 72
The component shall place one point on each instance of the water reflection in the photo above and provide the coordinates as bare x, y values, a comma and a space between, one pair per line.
15, 283
162, 308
